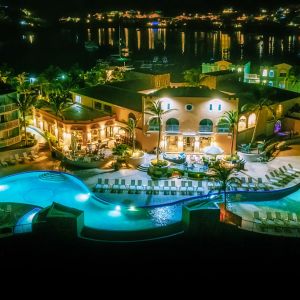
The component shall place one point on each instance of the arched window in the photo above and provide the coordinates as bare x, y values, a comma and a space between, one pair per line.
172, 125
206, 125
153, 124
131, 116
242, 123
251, 120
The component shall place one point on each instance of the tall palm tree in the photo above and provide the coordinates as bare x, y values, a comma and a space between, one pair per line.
263, 103
131, 127
26, 98
25, 101
154, 109
230, 119
224, 175
58, 101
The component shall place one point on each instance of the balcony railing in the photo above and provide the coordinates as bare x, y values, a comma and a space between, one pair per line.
11, 141
8, 107
206, 128
153, 128
9, 125
222, 129
172, 128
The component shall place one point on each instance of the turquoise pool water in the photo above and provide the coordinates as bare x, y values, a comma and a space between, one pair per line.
41, 189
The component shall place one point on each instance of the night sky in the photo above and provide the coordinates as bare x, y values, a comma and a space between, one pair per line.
61, 7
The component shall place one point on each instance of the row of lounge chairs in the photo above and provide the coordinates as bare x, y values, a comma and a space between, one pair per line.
151, 187
277, 221
19, 158
282, 176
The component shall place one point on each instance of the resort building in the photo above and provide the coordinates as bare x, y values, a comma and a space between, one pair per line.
223, 65
9, 120
193, 122
279, 76
268, 121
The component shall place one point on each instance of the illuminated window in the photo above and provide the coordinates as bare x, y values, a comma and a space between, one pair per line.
282, 74
242, 123
219, 107
271, 73
281, 85
210, 107
252, 120
78, 99
270, 83
172, 125
205, 125
265, 73
169, 106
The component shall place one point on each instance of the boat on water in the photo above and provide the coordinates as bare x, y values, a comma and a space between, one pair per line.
179, 158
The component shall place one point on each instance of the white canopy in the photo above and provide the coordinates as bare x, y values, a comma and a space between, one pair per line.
213, 150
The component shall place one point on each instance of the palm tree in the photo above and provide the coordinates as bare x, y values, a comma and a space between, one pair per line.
131, 128
154, 109
25, 101
58, 101
263, 103
224, 175
230, 119
26, 98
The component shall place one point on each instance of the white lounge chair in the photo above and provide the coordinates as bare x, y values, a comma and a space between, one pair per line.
139, 186
173, 187
4, 163
122, 186
166, 187
190, 189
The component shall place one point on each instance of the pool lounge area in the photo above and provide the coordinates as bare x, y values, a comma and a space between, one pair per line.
43, 188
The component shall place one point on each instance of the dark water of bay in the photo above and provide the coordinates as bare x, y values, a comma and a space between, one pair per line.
34, 50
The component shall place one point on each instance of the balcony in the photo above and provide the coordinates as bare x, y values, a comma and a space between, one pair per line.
8, 107
9, 125
10, 141
206, 128
223, 129
153, 128
172, 128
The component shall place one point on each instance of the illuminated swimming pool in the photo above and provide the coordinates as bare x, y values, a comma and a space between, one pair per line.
42, 188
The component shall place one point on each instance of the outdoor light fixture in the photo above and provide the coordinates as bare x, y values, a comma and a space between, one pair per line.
82, 197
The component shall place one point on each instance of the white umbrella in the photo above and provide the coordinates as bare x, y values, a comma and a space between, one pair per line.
213, 150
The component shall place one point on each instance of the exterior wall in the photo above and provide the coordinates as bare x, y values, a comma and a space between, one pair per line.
189, 123
266, 121
290, 124
9, 122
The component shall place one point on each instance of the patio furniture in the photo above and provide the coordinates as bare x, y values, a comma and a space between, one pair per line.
139, 186
289, 171
183, 188
190, 188
115, 186
98, 185
173, 187
166, 187
156, 187
149, 187
105, 186
122, 186
293, 169
132, 186
274, 181
199, 188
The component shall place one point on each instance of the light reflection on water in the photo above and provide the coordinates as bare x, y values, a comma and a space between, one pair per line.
162, 216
